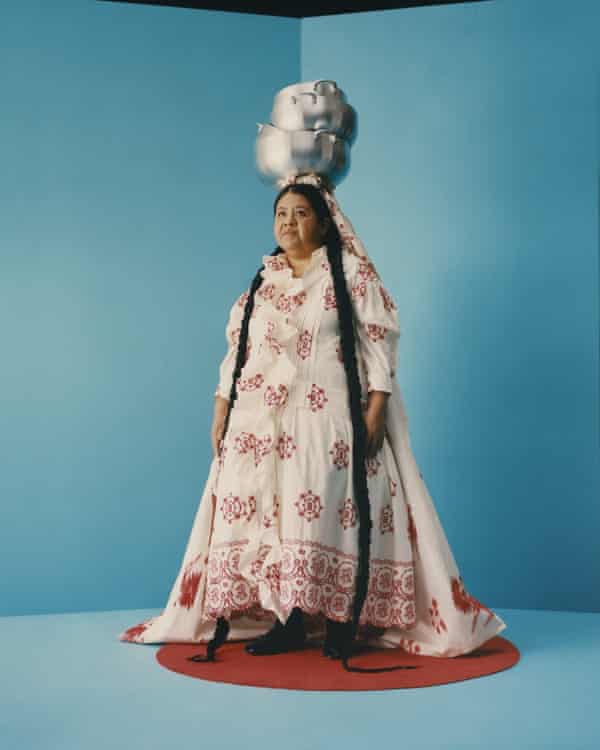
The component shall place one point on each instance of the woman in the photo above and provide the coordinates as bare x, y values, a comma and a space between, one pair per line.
303, 392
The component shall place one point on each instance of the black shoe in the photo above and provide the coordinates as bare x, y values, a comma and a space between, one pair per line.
338, 633
281, 638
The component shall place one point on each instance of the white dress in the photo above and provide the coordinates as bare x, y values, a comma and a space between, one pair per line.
277, 523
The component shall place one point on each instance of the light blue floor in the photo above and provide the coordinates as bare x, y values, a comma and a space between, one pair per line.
67, 683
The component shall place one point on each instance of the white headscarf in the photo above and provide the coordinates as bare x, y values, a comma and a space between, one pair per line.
350, 240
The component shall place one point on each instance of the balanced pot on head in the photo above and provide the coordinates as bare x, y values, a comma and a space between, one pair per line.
279, 153
315, 105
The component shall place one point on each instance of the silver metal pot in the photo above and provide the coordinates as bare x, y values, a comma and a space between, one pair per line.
281, 153
315, 105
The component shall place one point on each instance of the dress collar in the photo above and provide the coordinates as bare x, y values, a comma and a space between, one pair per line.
279, 262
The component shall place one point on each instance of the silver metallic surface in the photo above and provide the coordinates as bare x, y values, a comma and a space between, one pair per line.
315, 105
280, 153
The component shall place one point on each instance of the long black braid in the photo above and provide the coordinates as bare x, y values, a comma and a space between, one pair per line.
359, 475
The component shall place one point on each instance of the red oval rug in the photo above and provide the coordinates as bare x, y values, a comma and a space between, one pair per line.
308, 669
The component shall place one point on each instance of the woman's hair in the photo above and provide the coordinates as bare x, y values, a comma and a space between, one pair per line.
346, 323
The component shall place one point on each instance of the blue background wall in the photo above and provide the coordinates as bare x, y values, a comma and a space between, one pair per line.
133, 216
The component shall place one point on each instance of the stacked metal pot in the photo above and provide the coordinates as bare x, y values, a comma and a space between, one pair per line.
312, 129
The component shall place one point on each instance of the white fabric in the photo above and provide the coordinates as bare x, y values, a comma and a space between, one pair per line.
277, 523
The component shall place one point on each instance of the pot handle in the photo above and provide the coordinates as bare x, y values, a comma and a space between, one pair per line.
323, 130
325, 80
304, 93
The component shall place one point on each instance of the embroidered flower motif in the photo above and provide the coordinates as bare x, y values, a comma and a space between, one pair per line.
285, 446
366, 270
188, 588
340, 454
270, 339
275, 397
329, 299
348, 513
466, 603
304, 345
266, 291
388, 302
375, 332
248, 442
289, 302
233, 508
317, 397
276, 262
309, 505
436, 621
251, 384
269, 518
359, 289
386, 519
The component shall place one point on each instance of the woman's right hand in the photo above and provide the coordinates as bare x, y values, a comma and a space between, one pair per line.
216, 433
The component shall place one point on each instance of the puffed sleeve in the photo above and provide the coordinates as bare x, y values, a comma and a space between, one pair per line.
232, 333
377, 326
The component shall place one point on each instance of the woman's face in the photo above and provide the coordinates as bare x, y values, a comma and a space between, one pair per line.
296, 226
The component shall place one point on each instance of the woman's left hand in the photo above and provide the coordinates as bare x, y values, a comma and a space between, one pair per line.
375, 424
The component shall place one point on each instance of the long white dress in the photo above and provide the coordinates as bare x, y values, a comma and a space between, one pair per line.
277, 523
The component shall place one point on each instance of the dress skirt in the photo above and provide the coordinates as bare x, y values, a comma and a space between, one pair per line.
277, 524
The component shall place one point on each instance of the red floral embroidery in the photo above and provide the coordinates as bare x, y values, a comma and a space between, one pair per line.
340, 454
242, 299
289, 302
436, 621
233, 508
359, 289
304, 344
275, 397
375, 332
226, 590
388, 302
325, 265
248, 442
317, 397
269, 518
309, 505
134, 633
285, 446
274, 344
386, 519
251, 384
315, 577
372, 466
188, 588
222, 454
465, 603
366, 270
348, 513
329, 299
266, 291
277, 262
